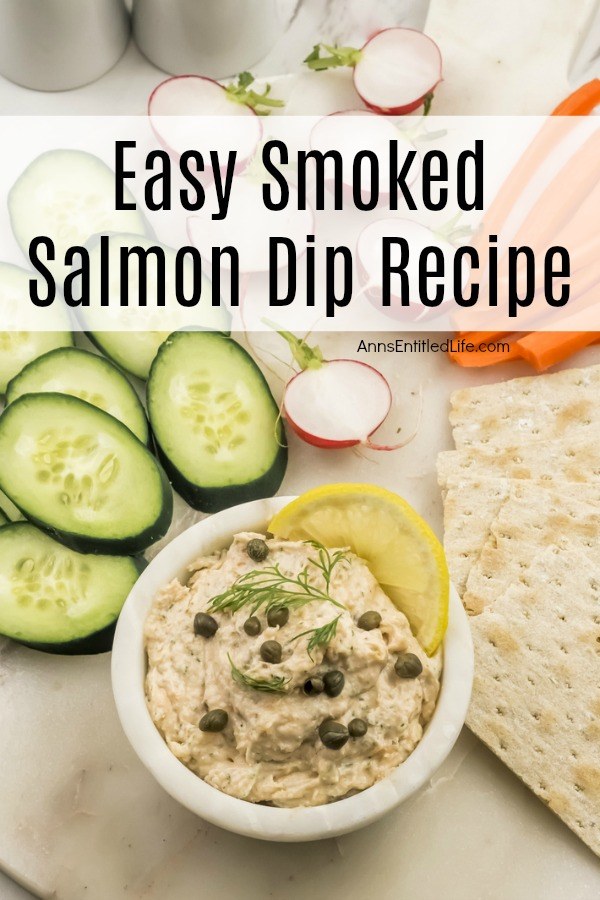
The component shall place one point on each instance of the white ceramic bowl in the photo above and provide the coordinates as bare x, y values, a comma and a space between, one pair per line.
267, 823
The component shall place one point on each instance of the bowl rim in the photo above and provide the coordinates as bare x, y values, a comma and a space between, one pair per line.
128, 667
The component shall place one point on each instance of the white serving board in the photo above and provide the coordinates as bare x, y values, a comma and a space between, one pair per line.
80, 817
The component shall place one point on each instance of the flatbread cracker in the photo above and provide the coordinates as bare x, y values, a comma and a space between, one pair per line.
470, 507
529, 520
575, 458
536, 701
472, 504
536, 408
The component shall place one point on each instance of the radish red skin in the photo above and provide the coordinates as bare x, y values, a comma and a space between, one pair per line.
326, 443
401, 109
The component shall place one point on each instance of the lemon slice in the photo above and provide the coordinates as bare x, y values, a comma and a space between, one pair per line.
399, 547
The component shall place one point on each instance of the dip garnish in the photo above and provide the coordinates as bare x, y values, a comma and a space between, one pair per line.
334, 683
357, 728
277, 684
369, 620
321, 636
205, 625
408, 665
257, 550
271, 589
270, 651
252, 626
277, 616
333, 734
314, 685
214, 721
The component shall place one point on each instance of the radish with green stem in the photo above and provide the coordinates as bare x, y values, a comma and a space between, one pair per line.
176, 102
395, 72
335, 403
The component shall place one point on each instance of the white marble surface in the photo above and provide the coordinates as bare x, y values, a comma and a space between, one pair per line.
79, 816
125, 89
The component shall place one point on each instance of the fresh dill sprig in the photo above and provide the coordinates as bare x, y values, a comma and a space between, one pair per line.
269, 588
321, 637
327, 561
275, 685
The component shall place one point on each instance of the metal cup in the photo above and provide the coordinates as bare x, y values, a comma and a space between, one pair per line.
55, 45
207, 37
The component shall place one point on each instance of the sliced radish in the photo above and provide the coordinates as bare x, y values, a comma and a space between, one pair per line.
369, 252
339, 132
177, 102
395, 72
335, 403
249, 226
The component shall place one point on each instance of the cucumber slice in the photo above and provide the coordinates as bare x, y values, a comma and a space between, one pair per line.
68, 195
82, 374
215, 422
18, 347
55, 599
9, 509
135, 350
82, 475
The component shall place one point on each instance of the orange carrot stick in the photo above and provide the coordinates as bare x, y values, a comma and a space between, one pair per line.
545, 349
477, 359
581, 102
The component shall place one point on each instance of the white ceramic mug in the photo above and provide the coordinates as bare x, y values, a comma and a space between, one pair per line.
206, 37
55, 45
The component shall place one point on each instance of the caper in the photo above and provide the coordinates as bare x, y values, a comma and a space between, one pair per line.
357, 728
408, 665
278, 616
369, 620
333, 734
270, 651
214, 721
314, 685
252, 626
334, 683
257, 550
205, 625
